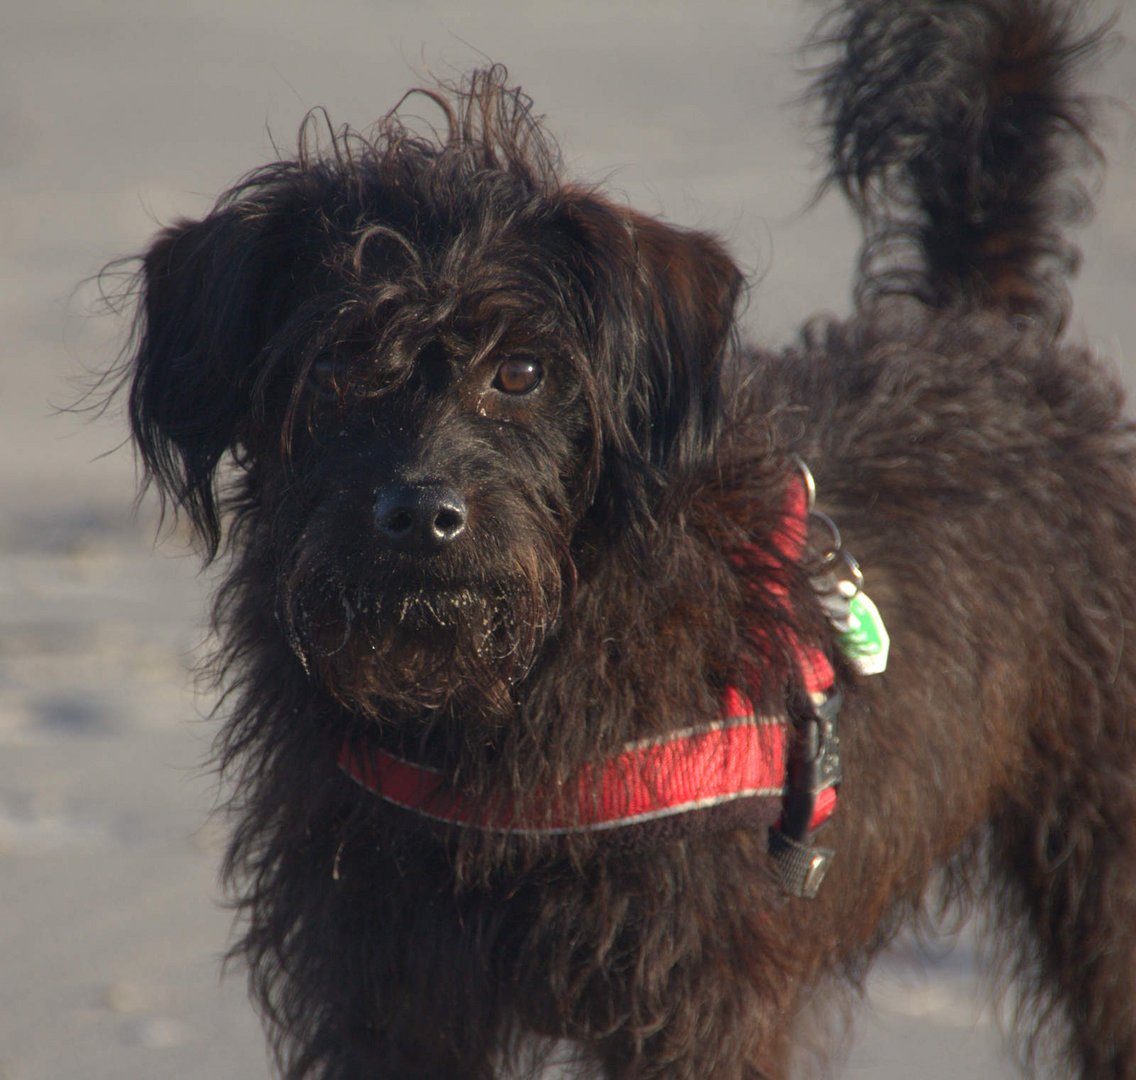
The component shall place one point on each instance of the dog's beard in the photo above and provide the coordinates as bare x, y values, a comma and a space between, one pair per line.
392, 643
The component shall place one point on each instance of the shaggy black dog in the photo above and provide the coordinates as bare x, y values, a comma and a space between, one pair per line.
546, 708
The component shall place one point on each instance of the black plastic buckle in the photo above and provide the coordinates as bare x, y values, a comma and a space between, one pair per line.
800, 867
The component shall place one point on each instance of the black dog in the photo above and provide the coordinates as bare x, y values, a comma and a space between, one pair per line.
546, 709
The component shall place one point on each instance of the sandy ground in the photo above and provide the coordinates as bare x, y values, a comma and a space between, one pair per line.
119, 114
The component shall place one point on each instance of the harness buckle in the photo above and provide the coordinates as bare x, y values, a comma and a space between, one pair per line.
814, 767
800, 867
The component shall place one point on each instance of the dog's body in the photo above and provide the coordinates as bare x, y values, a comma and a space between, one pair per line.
510, 503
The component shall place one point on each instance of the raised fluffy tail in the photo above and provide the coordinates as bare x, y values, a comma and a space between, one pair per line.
955, 131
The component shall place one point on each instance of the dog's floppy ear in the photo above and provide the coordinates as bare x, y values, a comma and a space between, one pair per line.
204, 313
662, 303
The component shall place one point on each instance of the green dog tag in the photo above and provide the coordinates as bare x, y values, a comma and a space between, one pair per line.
866, 640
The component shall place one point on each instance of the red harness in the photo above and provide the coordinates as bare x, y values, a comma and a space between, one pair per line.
739, 757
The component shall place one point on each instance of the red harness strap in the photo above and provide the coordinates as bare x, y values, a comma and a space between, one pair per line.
739, 757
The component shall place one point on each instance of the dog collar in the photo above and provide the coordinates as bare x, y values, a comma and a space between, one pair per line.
779, 770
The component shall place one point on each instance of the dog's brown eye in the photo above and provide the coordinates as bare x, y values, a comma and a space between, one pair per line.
518, 376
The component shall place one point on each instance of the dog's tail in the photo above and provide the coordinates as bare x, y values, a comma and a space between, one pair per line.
955, 131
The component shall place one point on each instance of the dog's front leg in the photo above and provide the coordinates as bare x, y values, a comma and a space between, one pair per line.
427, 1047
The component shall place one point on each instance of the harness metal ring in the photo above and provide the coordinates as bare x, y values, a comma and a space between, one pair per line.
809, 482
832, 552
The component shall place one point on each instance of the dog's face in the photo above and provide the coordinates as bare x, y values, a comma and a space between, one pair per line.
448, 380
442, 453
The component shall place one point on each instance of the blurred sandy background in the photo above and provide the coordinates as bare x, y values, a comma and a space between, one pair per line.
116, 115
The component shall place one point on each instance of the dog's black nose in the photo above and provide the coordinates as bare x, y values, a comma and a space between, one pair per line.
419, 517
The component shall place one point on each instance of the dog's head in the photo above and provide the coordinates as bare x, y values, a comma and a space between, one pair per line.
446, 378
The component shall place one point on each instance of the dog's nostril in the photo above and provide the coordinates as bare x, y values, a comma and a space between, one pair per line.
419, 517
400, 521
449, 522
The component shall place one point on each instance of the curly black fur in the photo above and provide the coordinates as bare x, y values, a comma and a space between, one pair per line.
346, 327
951, 126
